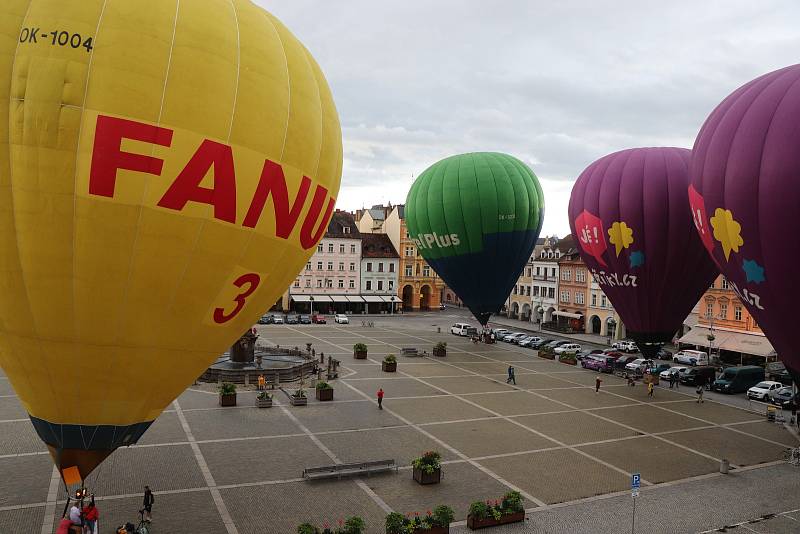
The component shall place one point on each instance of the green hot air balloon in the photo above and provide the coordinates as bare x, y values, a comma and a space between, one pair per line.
475, 219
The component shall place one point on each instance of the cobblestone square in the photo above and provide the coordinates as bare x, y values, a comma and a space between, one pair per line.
576, 427
488, 437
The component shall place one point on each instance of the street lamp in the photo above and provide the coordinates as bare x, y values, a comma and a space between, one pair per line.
311, 300
710, 337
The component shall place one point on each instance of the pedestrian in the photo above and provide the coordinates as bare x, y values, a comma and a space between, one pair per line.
650, 389
699, 391
597, 383
380, 399
671, 380
631, 381
75, 515
511, 377
149, 499
90, 517
677, 380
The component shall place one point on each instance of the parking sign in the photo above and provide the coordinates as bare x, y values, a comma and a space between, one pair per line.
636, 481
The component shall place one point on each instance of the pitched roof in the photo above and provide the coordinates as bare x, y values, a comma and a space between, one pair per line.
341, 220
377, 246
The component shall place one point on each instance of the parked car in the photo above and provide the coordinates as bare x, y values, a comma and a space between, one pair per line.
277, 319
318, 319
600, 363
777, 371
622, 361
612, 353
556, 343
567, 347
292, 318
520, 339
305, 319
500, 332
677, 370
529, 341
781, 396
699, 375
513, 338
540, 344
441, 306
658, 368
265, 319
762, 390
691, 357
738, 379
663, 354
639, 365
341, 318
625, 346
584, 353
460, 329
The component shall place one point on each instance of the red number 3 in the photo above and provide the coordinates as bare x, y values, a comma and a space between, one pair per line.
252, 280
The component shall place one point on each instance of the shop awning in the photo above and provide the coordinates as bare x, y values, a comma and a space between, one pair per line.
355, 299
568, 314
746, 343
372, 298
322, 298
302, 298
698, 336
339, 298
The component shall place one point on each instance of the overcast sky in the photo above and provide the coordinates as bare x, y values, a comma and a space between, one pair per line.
556, 84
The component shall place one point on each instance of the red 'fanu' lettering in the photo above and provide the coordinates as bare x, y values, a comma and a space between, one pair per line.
107, 158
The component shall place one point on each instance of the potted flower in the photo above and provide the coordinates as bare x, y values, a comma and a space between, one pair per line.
360, 351
491, 513
389, 363
568, 358
263, 400
324, 391
428, 468
547, 353
353, 525
440, 349
298, 398
227, 394
436, 522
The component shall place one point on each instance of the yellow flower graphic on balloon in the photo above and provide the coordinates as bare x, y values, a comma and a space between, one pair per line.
620, 236
726, 231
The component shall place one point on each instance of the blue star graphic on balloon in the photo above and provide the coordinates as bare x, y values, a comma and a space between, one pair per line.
637, 259
754, 272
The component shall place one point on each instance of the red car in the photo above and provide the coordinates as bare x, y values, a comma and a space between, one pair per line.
318, 319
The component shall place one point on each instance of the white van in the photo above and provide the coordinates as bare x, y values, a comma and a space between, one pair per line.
461, 329
691, 357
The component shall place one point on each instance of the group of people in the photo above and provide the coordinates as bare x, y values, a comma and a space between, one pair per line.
83, 518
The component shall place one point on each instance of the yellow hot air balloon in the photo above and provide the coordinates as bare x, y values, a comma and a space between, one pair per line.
166, 169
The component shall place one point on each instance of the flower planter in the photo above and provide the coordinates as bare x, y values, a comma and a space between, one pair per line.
324, 394
547, 355
568, 361
263, 403
421, 477
298, 401
441, 353
474, 524
433, 530
360, 354
389, 367
227, 399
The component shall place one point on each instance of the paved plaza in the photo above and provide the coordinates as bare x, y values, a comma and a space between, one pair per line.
569, 450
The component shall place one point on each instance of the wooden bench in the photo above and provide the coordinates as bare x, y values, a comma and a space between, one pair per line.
409, 351
345, 470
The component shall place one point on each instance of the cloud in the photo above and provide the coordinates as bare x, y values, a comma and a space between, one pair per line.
557, 84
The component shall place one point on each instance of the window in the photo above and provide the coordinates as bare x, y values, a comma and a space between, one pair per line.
409, 251
426, 271
319, 265
755, 324
330, 265
341, 248
308, 266
296, 282
558, 253
409, 270
543, 254
352, 249
594, 299
537, 271
725, 283
565, 296
528, 270
369, 266
553, 272
723, 310
580, 275
380, 285
345, 230
391, 267
550, 254
603, 301
709, 309
341, 283
515, 290
329, 283
368, 285
380, 266
319, 283
352, 284
579, 297
528, 291
566, 274
551, 292
308, 282
352, 266
737, 313
319, 247
391, 285
341, 266
330, 248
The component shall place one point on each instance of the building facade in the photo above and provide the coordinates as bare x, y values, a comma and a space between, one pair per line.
601, 318
544, 279
573, 290
725, 327
520, 299
380, 267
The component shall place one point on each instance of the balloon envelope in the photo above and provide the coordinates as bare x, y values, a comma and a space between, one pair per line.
166, 169
745, 186
628, 212
475, 219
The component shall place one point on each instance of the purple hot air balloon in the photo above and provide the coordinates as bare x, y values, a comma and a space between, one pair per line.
744, 193
628, 212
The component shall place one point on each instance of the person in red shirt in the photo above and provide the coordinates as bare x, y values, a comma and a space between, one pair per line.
380, 399
90, 517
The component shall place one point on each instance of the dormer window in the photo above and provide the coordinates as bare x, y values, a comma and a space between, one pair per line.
543, 254
558, 253
345, 229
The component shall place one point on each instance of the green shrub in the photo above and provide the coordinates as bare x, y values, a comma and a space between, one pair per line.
479, 510
226, 388
390, 358
440, 346
307, 528
395, 523
359, 347
512, 501
428, 462
263, 395
354, 525
323, 385
443, 515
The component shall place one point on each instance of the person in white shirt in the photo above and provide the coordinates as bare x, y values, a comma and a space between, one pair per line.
75, 515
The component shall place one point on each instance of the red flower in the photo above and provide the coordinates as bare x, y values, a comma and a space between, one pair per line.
429, 512
341, 522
